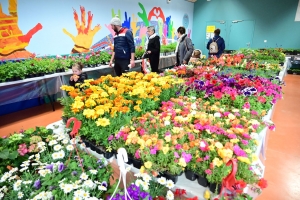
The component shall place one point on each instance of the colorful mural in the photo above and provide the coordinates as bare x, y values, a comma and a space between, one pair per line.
164, 27
12, 40
85, 35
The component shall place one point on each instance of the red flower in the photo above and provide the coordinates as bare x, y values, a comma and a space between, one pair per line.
159, 198
262, 183
199, 160
194, 198
218, 95
261, 99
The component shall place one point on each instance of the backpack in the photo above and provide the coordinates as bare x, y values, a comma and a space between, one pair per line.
213, 47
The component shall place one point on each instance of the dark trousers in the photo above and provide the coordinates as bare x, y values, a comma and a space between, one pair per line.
121, 66
154, 62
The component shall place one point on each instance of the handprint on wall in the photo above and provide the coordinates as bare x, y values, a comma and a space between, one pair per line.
12, 40
85, 34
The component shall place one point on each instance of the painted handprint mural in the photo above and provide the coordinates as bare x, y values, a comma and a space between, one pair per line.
12, 40
84, 38
156, 17
45, 28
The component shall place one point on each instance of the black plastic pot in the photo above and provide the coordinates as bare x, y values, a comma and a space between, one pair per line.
202, 181
213, 187
190, 175
108, 155
29, 76
137, 163
169, 176
62, 70
9, 79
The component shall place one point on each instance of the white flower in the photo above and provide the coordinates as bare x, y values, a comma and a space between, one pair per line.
68, 188
62, 186
44, 172
89, 183
62, 180
170, 195
31, 157
61, 138
93, 171
4, 189
146, 177
145, 185
193, 112
102, 188
41, 144
52, 142
167, 123
1, 195
194, 106
138, 182
27, 182
55, 156
84, 176
42, 149
13, 170
78, 193
170, 184
49, 195
77, 198
57, 147
194, 98
97, 182
138, 175
25, 163
65, 141
217, 114
82, 146
254, 135
162, 180
23, 169
20, 195
61, 154
92, 198
70, 148
85, 194
17, 185
75, 186
12, 177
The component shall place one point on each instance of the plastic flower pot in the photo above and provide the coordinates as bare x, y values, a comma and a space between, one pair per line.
202, 181
190, 175
169, 176
137, 163
213, 188
108, 155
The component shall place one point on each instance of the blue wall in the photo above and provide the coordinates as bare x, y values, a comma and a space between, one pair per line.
274, 20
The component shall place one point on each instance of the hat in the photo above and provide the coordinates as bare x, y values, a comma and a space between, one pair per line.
116, 21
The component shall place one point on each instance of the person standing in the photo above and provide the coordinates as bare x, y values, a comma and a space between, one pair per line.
216, 45
184, 48
152, 47
124, 49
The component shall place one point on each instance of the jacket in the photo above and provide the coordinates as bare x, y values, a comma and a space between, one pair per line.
185, 50
83, 76
221, 46
123, 44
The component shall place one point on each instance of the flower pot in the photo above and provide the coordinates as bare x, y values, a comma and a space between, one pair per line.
169, 176
57, 70
202, 180
108, 155
190, 175
16, 78
62, 70
213, 188
9, 79
41, 74
130, 159
137, 163
29, 76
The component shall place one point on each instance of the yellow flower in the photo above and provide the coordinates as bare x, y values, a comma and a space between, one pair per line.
77, 104
89, 113
94, 96
168, 138
231, 116
142, 170
248, 150
139, 102
182, 162
254, 158
256, 142
104, 94
217, 162
234, 141
89, 103
137, 108
148, 164
219, 145
211, 147
226, 154
103, 122
67, 88
244, 159
148, 143
165, 149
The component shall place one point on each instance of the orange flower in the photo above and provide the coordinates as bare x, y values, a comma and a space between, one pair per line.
185, 146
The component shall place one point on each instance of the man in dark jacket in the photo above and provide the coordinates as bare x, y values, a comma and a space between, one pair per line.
220, 42
124, 49
153, 49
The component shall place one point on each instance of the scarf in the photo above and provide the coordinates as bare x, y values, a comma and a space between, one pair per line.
147, 42
178, 41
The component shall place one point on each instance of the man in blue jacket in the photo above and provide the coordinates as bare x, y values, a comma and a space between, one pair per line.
220, 42
124, 49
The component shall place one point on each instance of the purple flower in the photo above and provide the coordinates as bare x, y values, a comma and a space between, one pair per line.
52, 188
61, 167
144, 194
245, 142
153, 151
187, 157
50, 167
74, 173
104, 183
37, 184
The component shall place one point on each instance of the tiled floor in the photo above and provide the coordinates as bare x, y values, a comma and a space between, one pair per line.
283, 145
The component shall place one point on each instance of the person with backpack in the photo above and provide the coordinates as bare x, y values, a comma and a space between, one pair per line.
184, 48
124, 49
216, 45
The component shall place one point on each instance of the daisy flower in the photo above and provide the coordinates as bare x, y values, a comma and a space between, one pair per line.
93, 171
170, 184
170, 195
162, 180
84, 176
57, 147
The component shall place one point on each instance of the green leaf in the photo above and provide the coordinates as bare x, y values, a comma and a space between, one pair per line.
4, 154
13, 155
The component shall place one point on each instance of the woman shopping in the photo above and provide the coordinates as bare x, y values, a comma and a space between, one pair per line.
153, 49
184, 48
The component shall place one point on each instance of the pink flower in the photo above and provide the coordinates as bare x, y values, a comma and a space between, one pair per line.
176, 155
142, 132
206, 157
178, 146
208, 171
204, 145
137, 154
238, 151
153, 150
245, 142
22, 149
110, 138
187, 157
